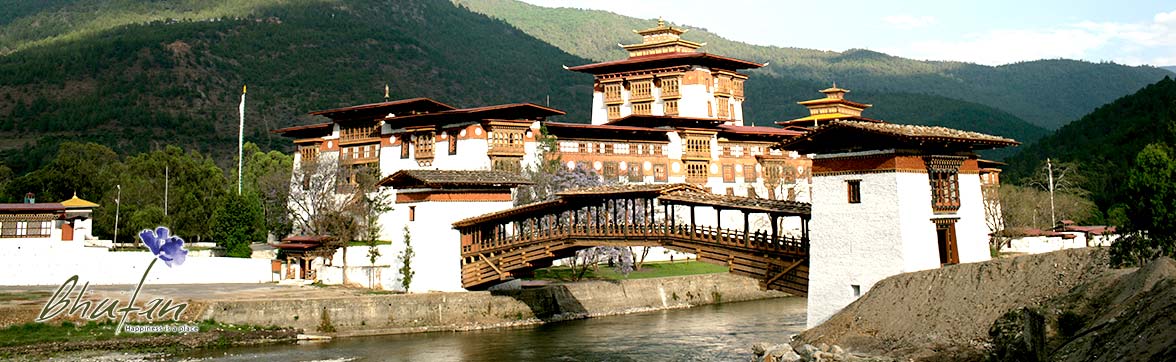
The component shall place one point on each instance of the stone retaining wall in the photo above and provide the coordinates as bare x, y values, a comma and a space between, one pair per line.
409, 313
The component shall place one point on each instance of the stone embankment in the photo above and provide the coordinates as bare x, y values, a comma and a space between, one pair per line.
1061, 306
409, 313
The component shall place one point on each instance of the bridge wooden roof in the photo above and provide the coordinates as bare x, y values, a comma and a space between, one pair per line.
458, 178
628, 190
780, 207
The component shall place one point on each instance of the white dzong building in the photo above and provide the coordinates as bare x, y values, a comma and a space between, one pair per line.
889, 199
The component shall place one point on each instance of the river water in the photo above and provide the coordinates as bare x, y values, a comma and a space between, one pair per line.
723, 332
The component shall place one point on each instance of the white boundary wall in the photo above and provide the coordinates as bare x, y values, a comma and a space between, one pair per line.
48, 265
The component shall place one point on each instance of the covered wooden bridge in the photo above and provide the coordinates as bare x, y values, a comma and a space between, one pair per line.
501, 245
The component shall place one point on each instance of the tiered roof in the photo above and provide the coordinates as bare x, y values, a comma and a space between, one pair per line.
849, 136
833, 106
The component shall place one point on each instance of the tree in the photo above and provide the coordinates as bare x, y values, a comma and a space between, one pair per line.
267, 175
1028, 207
342, 201
237, 223
406, 272
1151, 214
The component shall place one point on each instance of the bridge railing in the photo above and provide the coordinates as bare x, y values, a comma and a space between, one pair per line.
635, 232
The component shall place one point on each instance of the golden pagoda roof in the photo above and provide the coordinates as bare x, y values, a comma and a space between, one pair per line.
661, 28
842, 101
77, 203
834, 89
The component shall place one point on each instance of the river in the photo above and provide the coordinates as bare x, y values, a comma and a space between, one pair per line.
723, 332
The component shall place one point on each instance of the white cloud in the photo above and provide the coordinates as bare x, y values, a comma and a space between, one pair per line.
1129, 43
908, 22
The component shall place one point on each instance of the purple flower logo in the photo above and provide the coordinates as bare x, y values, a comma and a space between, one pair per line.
166, 247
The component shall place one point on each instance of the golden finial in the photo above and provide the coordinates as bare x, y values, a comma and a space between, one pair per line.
661, 23
385, 91
242, 89
834, 84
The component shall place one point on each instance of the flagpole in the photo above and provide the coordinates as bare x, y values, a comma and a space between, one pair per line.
240, 140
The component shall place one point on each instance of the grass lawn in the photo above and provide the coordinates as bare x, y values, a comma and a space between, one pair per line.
649, 270
364, 243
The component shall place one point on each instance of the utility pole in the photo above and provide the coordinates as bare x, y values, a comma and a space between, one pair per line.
1053, 218
117, 204
165, 179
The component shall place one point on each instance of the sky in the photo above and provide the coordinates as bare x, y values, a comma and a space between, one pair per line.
991, 32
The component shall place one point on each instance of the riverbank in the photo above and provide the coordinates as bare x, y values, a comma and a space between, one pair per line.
342, 312
464, 311
35, 341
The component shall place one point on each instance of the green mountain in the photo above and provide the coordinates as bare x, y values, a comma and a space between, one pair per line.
1047, 93
1104, 143
103, 71
1171, 68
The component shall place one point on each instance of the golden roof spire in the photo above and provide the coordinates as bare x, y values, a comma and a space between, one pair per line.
660, 23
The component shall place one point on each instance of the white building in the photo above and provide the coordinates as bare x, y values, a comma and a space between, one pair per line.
889, 199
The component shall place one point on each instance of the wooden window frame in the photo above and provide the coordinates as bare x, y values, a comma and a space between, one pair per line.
661, 173
635, 173
853, 190
405, 141
729, 173
453, 143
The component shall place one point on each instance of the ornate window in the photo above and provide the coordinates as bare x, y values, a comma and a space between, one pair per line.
697, 147
453, 143
405, 144
644, 108
640, 90
749, 173
308, 152
635, 174
728, 173
510, 164
943, 172
696, 172
610, 171
354, 134
612, 93
669, 88
508, 141
671, 107
722, 103
737, 88
724, 85
424, 145
659, 173
614, 111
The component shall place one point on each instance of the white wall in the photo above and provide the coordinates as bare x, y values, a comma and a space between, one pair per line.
851, 244
971, 230
98, 266
1045, 244
436, 245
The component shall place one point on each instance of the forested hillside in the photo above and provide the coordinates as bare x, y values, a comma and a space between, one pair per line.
1105, 142
136, 76
1047, 93
141, 86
